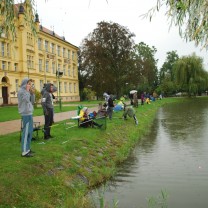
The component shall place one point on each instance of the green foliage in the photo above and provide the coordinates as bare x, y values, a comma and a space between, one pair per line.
8, 13
166, 72
158, 202
67, 166
190, 16
88, 94
190, 74
105, 57
37, 97
145, 71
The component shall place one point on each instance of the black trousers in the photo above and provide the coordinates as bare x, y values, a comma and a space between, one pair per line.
48, 122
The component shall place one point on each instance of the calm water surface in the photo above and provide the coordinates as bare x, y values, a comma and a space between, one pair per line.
173, 157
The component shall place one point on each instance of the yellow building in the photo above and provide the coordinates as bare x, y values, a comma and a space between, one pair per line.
44, 58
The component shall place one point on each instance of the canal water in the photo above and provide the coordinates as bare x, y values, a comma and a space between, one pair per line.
172, 158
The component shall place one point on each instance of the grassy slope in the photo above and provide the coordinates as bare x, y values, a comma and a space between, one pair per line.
66, 166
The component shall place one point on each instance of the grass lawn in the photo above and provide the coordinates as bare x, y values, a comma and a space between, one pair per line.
9, 113
74, 161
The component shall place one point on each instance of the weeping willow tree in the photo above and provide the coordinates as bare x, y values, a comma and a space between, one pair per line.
190, 75
191, 16
8, 14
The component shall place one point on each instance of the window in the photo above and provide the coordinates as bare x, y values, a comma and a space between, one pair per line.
46, 45
29, 38
75, 87
69, 71
59, 67
39, 43
58, 50
8, 50
40, 65
65, 87
63, 52
60, 86
47, 66
15, 66
73, 72
17, 84
8, 66
55, 84
3, 65
52, 48
54, 67
64, 69
73, 55
41, 85
2, 49
68, 54
30, 62
70, 87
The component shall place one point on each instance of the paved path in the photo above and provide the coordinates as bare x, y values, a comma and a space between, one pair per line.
15, 125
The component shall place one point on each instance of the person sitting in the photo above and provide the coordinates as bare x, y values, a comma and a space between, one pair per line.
147, 100
84, 119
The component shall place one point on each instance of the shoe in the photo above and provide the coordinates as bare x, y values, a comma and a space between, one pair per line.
100, 125
27, 155
32, 152
50, 136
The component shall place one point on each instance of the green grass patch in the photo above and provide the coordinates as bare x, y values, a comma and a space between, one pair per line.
9, 113
74, 161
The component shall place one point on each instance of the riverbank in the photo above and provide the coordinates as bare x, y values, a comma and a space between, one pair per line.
67, 166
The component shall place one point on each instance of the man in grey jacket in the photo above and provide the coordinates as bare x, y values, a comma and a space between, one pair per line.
47, 104
26, 99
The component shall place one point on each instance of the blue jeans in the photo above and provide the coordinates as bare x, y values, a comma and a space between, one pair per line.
27, 132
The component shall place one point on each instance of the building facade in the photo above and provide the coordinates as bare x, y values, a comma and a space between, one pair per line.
44, 57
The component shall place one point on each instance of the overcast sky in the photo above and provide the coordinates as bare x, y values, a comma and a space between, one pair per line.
75, 19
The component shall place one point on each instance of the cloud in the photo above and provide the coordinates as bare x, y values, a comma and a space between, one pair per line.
76, 19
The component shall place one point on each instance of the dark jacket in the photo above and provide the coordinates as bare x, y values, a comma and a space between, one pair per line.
25, 99
47, 100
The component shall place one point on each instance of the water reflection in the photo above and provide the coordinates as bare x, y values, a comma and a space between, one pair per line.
172, 157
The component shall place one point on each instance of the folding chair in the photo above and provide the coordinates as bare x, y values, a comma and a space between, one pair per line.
36, 129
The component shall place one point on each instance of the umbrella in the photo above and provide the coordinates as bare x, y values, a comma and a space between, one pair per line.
133, 91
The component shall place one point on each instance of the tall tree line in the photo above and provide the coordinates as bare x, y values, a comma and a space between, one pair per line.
109, 60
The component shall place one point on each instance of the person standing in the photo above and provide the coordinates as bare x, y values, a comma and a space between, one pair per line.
47, 104
135, 100
26, 99
110, 105
142, 98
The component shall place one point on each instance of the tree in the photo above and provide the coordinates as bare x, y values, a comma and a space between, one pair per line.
190, 16
105, 57
166, 72
8, 12
145, 70
190, 74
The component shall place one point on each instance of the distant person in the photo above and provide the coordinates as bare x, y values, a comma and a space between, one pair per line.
135, 100
53, 96
129, 111
26, 99
109, 105
147, 100
47, 104
142, 99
